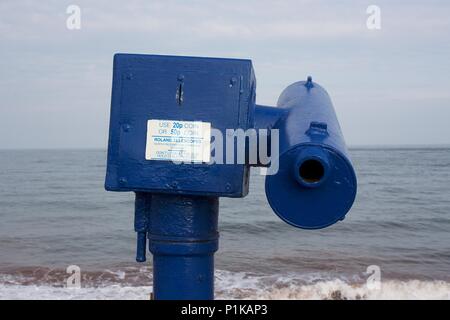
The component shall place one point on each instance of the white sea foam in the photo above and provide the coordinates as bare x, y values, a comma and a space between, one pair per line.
339, 289
111, 292
231, 285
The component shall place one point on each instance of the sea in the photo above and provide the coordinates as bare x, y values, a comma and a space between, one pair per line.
56, 217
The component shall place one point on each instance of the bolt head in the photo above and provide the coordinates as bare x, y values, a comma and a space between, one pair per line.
126, 127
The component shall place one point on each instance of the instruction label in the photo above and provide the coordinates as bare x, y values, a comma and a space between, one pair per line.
181, 141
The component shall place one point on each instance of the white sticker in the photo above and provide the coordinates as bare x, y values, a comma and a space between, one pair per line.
181, 141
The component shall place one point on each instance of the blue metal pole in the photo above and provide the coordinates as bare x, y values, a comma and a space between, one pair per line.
141, 220
183, 237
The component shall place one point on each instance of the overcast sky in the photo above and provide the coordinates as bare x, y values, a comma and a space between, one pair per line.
389, 86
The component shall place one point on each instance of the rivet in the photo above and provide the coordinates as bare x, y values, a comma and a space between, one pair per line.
126, 127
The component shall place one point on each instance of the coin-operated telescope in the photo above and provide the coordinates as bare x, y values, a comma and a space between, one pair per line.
181, 133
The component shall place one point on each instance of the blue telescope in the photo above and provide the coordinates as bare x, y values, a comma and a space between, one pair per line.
170, 123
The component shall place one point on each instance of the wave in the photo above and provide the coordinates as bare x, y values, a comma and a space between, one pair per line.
121, 285
324, 287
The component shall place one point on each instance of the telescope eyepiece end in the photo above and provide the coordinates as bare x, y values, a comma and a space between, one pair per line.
312, 167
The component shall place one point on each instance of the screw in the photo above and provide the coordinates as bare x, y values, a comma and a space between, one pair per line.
126, 127
180, 77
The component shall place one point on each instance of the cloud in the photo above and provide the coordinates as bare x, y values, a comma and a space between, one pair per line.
50, 74
250, 20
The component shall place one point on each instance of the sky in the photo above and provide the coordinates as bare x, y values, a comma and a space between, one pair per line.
389, 86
